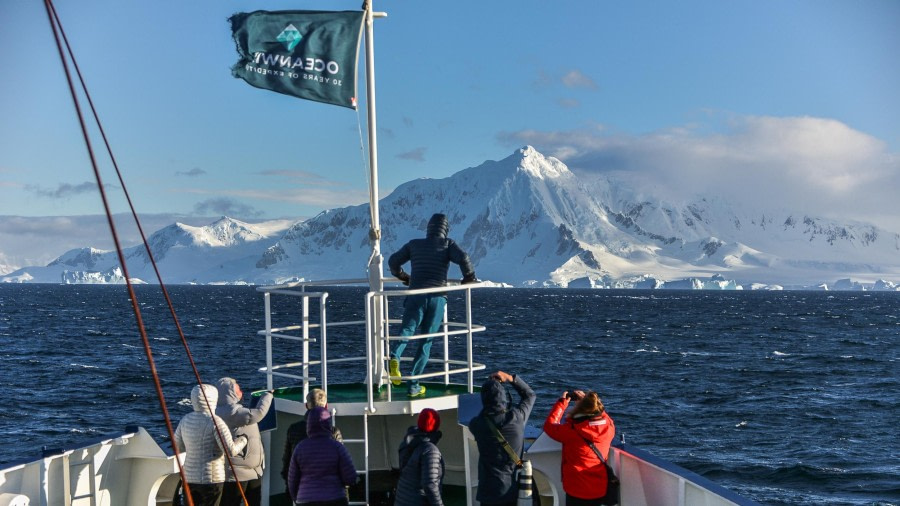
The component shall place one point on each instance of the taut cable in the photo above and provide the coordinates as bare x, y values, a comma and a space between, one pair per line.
140, 228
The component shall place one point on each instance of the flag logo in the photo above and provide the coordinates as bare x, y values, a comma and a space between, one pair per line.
290, 37
311, 55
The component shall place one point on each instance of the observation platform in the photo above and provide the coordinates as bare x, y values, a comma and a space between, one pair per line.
352, 398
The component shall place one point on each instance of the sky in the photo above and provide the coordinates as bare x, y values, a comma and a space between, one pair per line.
790, 104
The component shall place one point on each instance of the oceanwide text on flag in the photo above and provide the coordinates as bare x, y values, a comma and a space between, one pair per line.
306, 54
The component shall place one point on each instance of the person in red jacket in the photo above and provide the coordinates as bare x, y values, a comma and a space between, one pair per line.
583, 474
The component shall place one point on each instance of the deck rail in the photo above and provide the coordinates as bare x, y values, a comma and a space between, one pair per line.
384, 338
378, 336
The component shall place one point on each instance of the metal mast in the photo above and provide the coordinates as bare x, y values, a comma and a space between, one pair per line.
376, 261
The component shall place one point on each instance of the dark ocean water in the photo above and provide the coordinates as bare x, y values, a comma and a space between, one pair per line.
783, 397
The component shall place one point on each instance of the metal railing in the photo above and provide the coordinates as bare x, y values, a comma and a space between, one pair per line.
467, 366
378, 337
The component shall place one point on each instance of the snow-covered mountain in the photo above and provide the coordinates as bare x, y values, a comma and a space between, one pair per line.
6, 265
216, 253
527, 220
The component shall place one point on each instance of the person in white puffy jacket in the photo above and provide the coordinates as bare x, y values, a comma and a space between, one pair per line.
204, 463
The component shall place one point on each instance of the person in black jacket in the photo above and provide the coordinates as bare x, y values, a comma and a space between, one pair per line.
496, 468
421, 463
430, 258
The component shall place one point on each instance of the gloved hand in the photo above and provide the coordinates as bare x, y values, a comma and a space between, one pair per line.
469, 279
245, 440
404, 277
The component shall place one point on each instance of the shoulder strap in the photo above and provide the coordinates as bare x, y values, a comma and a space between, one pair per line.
503, 442
596, 451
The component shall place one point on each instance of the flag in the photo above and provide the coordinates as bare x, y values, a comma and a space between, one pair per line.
306, 54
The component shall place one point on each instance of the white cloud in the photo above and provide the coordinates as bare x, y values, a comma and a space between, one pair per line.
295, 176
66, 190
311, 196
568, 103
196, 171
577, 79
416, 154
225, 207
811, 165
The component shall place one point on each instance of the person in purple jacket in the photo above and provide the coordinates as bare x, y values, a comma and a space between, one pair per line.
312, 480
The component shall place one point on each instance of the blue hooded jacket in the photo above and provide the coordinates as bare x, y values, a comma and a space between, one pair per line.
496, 468
430, 257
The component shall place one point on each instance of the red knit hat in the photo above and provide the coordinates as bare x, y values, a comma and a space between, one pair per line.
429, 420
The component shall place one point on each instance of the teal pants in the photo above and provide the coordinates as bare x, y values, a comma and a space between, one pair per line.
422, 314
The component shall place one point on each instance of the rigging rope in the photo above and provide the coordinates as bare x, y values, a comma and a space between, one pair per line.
367, 170
365, 167
58, 31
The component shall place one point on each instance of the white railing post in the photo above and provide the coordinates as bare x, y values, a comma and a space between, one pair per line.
305, 335
446, 349
385, 345
370, 375
383, 350
469, 339
323, 347
267, 297
366, 452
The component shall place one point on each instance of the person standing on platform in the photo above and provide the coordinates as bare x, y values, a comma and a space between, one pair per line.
422, 313
248, 467
499, 430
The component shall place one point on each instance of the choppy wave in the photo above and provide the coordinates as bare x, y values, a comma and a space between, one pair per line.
785, 397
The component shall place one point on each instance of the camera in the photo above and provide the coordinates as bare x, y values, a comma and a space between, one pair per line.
571, 395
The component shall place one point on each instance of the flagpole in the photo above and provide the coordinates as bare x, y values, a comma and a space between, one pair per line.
376, 261
375, 232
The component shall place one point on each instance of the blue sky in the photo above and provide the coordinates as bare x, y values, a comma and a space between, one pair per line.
785, 102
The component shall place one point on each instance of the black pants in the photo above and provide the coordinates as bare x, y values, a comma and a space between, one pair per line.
231, 496
577, 501
204, 494
336, 502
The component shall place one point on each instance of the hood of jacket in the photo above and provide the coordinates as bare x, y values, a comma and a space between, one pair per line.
592, 428
438, 226
494, 397
318, 422
199, 403
227, 388
414, 438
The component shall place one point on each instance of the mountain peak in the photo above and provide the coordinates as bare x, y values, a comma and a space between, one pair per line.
226, 220
533, 162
